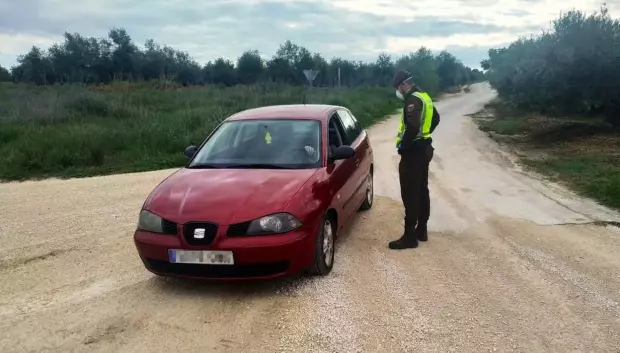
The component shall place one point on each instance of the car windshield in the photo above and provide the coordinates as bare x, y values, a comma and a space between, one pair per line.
268, 144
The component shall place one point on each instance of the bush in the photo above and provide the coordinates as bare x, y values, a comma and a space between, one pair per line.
572, 69
91, 60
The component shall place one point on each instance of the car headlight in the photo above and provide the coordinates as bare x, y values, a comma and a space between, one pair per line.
274, 224
150, 222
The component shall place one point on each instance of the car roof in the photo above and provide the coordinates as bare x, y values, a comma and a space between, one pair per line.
320, 112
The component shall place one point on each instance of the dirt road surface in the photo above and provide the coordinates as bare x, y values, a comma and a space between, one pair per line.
512, 264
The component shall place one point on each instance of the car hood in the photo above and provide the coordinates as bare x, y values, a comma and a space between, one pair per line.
225, 196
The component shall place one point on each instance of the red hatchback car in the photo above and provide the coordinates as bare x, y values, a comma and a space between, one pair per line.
264, 196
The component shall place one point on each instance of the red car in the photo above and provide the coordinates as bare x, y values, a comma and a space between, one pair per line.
264, 196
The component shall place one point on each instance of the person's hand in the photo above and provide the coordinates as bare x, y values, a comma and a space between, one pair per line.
310, 150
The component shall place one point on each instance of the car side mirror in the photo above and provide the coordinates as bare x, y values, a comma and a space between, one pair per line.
342, 152
190, 151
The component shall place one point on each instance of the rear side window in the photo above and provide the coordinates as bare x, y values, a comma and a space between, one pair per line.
351, 126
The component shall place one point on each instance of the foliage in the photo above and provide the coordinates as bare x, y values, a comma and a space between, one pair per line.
5, 75
103, 60
104, 105
79, 130
574, 68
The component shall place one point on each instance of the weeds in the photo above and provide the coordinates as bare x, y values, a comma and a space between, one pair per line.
76, 130
581, 152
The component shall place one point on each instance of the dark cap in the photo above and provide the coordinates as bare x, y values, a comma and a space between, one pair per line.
399, 77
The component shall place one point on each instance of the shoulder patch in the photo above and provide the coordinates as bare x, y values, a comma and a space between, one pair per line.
410, 107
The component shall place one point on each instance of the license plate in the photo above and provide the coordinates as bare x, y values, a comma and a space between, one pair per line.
201, 257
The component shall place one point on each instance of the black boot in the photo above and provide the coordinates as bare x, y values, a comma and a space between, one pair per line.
421, 233
407, 241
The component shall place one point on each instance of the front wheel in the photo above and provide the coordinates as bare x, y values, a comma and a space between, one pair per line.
324, 249
367, 204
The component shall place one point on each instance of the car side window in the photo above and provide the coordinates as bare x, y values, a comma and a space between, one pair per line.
358, 126
335, 133
351, 126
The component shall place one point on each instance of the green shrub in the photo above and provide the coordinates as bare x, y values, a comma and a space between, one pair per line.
75, 130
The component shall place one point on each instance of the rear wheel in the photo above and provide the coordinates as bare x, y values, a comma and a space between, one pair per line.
369, 193
324, 249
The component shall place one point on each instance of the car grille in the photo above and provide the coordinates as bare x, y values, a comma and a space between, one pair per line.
210, 230
238, 229
218, 271
168, 227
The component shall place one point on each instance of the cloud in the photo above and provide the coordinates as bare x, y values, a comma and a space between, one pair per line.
352, 29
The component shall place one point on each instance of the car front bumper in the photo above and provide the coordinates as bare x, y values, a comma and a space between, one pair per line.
255, 257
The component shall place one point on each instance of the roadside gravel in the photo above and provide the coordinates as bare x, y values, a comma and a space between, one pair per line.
507, 268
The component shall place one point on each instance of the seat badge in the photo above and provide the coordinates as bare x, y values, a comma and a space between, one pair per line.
199, 233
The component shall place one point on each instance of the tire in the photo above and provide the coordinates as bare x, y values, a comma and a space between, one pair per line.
370, 193
324, 248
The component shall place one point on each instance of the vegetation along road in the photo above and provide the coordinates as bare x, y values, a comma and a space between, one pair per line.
507, 267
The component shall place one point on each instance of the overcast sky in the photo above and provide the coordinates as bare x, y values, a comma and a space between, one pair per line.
351, 29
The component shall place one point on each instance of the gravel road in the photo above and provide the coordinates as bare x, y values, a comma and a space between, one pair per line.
512, 264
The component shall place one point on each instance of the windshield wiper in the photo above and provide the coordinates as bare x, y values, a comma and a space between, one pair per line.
205, 166
256, 165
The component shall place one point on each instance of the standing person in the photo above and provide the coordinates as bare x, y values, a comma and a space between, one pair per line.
414, 145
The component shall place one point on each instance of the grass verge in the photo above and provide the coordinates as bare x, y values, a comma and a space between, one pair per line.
75, 130
581, 153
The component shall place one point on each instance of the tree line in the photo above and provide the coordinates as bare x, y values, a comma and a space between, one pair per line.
572, 68
102, 60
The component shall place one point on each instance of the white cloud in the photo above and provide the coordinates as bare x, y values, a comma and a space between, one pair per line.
501, 13
352, 29
21, 43
437, 43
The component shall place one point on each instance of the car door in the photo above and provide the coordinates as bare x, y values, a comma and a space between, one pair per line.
356, 139
339, 171
364, 153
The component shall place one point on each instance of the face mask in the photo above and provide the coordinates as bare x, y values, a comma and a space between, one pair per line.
399, 95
